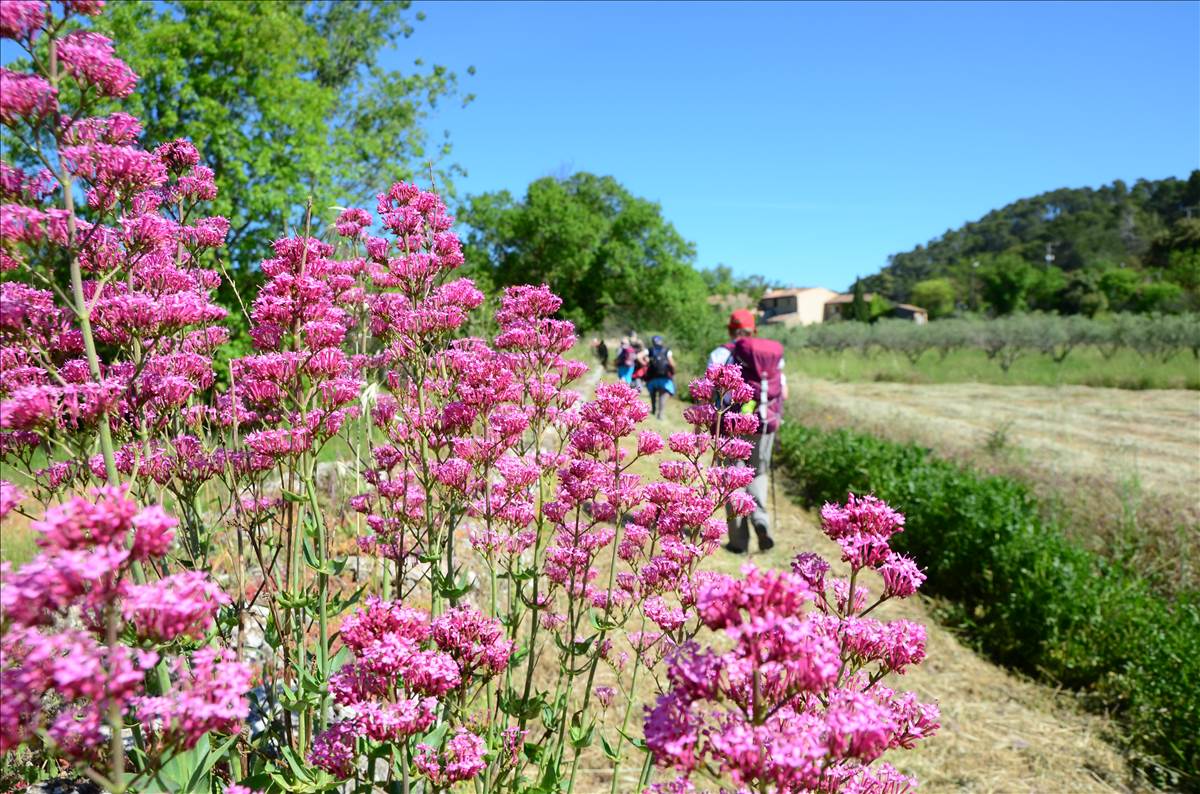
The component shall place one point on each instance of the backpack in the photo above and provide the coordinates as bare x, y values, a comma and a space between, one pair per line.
625, 356
659, 365
759, 359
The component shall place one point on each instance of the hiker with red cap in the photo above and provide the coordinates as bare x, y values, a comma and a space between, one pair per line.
762, 366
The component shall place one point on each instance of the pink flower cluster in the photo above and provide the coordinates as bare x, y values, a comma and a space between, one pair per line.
403, 664
862, 528
89, 548
796, 704
148, 299
462, 758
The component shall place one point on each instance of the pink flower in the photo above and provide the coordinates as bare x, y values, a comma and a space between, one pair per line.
84, 523
476, 641
210, 695
10, 497
90, 59
85, 7
864, 551
178, 155
16, 185
462, 758
333, 749
901, 576
22, 19
671, 731
866, 515
796, 703
25, 97
182, 605
351, 222
665, 617
198, 185
605, 695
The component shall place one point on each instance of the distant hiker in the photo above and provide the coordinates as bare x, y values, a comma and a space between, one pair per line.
762, 366
660, 374
601, 349
639, 364
626, 356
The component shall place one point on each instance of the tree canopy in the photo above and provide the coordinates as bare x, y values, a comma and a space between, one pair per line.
1067, 248
936, 295
607, 253
285, 100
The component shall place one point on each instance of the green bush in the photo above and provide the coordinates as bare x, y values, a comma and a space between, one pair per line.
1021, 591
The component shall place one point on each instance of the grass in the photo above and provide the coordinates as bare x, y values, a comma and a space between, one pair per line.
18, 541
1086, 367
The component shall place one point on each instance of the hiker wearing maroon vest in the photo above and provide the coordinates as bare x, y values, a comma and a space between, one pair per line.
762, 366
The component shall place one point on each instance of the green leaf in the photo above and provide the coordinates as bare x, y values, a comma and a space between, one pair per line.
581, 736
636, 741
206, 763
609, 752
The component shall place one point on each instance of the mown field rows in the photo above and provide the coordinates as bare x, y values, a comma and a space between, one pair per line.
1119, 469
1152, 437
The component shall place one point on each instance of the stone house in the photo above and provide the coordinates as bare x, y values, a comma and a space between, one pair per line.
788, 307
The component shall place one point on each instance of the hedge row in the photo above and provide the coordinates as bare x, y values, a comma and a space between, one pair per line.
1004, 339
1021, 591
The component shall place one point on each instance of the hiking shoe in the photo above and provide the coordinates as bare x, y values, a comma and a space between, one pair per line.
765, 541
732, 549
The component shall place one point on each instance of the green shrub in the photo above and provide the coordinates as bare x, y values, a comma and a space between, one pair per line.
1021, 591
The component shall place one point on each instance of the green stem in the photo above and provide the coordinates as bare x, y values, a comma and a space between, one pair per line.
629, 699
82, 312
322, 593
645, 776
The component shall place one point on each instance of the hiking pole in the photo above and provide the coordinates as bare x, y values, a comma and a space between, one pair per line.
774, 506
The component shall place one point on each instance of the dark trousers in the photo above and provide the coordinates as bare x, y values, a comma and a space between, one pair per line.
759, 490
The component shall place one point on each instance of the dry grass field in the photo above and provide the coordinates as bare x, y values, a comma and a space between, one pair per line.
1120, 469
1150, 436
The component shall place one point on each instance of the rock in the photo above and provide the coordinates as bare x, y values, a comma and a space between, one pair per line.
64, 785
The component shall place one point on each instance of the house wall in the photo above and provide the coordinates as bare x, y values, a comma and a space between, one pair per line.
804, 307
783, 304
810, 305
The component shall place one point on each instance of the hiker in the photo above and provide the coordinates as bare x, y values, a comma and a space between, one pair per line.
625, 361
601, 349
639, 364
762, 366
660, 375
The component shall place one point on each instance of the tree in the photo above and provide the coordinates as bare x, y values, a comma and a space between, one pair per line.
721, 280
606, 252
1139, 225
1005, 280
935, 295
1046, 291
1083, 294
1159, 296
859, 310
1120, 286
284, 100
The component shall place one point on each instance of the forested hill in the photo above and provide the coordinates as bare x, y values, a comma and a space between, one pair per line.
1150, 231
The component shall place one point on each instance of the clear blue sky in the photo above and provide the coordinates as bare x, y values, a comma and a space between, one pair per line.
806, 142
